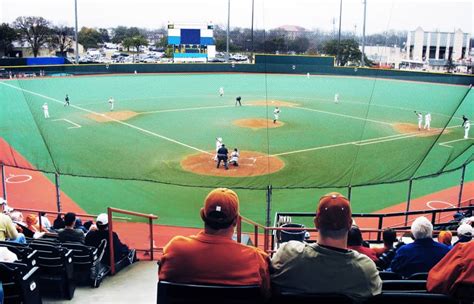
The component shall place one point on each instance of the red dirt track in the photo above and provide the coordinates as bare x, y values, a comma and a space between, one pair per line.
39, 193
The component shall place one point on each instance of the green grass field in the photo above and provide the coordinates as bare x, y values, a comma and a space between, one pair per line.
323, 145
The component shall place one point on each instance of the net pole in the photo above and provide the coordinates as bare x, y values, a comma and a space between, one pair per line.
349, 193
338, 59
4, 183
228, 29
363, 35
58, 192
410, 185
75, 33
461, 185
268, 221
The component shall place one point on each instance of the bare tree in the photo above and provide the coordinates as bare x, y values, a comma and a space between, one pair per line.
34, 30
62, 38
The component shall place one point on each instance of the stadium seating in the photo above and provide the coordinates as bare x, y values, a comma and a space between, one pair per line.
289, 298
24, 253
410, 298
388, 275
19, 283
56, 270
404, 285
178, 293
88, 270
418, 276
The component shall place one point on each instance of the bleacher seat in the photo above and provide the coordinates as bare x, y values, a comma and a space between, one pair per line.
285, 297
418, 276
25, 254
388, 275
88, 269
465, 293
19, 283
404, 285
56, 273
411, 298
179, 293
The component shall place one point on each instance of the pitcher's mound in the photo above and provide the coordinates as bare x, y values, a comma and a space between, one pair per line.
257, 123
271, 103
406, 128
251, 163
111, 116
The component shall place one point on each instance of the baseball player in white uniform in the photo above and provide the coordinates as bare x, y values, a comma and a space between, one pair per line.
427, 121
111, 103
45, 110
221, 91
420, 119
336, 98
218, 146
276, 114
234, 158
467, 125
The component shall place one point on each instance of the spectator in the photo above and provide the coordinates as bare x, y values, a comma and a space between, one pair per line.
94, 237
465, 232
69, 233
211, 256
389, 237
58, 223
7, 256
354, 242
8, 230
445, 237
45, 221
328, 266
422, 254
33, 225
457, 267
78, 225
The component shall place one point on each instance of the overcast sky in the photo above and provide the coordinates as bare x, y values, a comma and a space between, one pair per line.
381, 14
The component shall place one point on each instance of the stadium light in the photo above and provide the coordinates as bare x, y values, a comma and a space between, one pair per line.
251, 28
338, 59
228, 27
75, 34
362, 61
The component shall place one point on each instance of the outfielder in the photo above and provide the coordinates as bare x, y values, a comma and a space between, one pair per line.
420, 119
336, 98
45, 110
111, 103
221, 91
427, 121
276, 114
66, 100
467, 125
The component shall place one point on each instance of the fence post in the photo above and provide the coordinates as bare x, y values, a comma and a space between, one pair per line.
461, 185
111, 242
269, 207
408, 200
349, 193
150, 223
379, 233
4, 183
239, 229
58, 192
255, 231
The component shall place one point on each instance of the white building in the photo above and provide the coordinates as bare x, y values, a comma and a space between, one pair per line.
425, 46
384, 55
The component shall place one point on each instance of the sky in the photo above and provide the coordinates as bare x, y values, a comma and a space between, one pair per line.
382, 15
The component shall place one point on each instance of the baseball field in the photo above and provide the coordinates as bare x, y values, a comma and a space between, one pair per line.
154, 152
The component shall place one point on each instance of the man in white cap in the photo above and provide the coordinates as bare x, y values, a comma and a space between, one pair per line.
121, 251
465, 233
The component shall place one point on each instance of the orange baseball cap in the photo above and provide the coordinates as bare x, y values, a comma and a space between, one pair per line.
221, 206
334, 212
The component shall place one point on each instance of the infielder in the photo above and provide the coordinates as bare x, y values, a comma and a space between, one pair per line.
66, 100
111, 103
237, 101
336, 98
276, 114
221, 91
45, 110
234, 158
467, 125
427, 121
420, 119
218, 146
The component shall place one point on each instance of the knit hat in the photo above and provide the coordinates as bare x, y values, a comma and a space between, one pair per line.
221, 206
445, 237
334, 212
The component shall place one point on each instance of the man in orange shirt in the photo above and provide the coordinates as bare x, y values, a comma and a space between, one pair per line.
454, 269
212, 257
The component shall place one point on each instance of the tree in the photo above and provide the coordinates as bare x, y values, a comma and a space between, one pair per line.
7, 36
135, 42
349, 50
62, 38
34, 30
120, 33
104, 33
89, 37
299, 45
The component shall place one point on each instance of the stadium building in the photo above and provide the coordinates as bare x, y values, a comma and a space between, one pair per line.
191, 42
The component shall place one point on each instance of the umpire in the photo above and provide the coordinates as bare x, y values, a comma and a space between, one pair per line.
222, 156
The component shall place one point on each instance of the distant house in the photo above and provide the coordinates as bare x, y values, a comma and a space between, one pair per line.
23, 49
292, 31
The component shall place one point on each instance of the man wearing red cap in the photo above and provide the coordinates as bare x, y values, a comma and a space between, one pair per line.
328, 266
212, 257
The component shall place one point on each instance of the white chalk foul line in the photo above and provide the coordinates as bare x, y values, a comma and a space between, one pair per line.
343, 115
112, 119
75, 125
444, 144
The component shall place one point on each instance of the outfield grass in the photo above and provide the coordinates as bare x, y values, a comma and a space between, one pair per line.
323, 144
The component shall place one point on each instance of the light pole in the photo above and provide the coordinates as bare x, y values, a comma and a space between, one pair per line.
338, 59
251, 28
75, 34
228, 28
362, 61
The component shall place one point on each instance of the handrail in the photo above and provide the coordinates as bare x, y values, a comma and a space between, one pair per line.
110, 211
